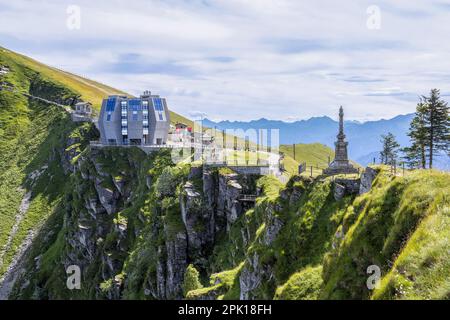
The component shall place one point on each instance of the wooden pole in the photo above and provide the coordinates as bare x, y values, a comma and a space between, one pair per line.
224, 147
293, 147
311, 171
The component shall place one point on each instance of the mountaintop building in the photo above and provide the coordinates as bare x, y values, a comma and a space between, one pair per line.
82, 112
134, 121
340, 164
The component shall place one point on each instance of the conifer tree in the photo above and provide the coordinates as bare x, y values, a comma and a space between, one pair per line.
436, 125
389, 153
415, 155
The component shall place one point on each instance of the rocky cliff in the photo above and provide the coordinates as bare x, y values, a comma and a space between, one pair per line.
133, 223
137, 226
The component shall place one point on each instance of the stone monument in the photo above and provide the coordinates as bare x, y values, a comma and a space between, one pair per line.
340, 163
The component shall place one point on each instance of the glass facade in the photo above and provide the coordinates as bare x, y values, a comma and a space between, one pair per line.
145, 117
124, 115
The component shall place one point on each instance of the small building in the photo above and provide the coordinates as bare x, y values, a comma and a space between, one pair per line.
134, 121
84, 108
181, 126
182, 133
82, 112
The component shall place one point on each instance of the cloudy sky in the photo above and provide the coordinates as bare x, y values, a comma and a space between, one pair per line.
246, 59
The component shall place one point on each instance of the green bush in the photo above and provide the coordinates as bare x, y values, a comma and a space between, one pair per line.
191, 280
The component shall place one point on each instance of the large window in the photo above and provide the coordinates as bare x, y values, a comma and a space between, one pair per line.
134, 104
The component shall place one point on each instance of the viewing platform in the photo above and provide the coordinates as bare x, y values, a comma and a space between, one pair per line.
146, 148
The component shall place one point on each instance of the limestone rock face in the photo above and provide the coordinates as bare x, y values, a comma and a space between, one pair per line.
250, 278
175, 266
114, 215
367, 178
106, 197
199, 223
228, 204
343, 187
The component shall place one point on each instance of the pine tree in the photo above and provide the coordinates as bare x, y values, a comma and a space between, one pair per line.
389, 153
412, 157
436, 124
415, 155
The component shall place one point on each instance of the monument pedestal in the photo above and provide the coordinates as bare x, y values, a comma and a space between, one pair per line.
340, 163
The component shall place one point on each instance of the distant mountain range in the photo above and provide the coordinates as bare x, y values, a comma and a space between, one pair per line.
363, 138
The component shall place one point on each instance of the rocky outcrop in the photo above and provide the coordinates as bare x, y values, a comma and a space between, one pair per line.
176, 264
199, 223
228, 205
120, 210
367, 178
344, 187
251, 277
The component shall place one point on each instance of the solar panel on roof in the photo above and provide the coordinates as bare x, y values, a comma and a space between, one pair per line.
158, 104
110, 104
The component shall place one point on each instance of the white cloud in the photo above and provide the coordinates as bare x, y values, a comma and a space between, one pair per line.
246, 59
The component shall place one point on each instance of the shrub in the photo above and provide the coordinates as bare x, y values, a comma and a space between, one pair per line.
191, 280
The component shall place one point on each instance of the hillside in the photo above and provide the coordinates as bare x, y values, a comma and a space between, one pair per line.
31, 175
303, 244
87, 89
313, 154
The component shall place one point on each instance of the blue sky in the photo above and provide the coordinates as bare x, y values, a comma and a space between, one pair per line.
246, 59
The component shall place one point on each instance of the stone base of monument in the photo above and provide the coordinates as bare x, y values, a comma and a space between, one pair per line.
340, 168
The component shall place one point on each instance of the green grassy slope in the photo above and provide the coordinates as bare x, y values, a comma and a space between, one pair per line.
314, 154
31, 133
402, 226
88, 89
325, 246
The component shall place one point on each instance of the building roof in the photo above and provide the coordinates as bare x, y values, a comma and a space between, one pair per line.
82, 103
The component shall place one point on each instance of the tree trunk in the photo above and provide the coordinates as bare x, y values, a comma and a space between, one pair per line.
422, 153
431, 137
